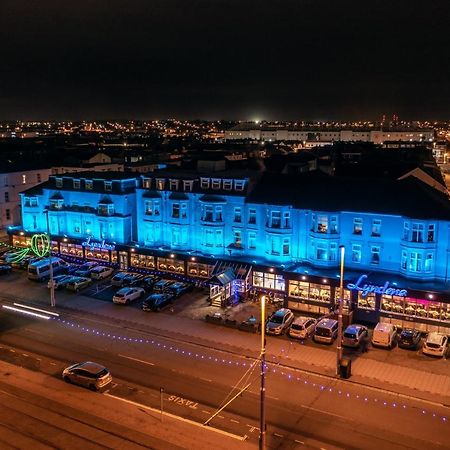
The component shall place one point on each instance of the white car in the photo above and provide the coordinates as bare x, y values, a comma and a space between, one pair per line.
302, 327
279, 321
87, 374
101, 272
128, 294
435, 344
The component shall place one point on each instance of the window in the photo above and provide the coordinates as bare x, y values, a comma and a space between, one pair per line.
252, 240
219, 238
160, 182
146, 183
321, 251
105, 209
173, 184
56, 204
238, 238
76, 184
204, 183
237, 214
376, 227
176, 210
404, 260
333, 252
333, 224
227, 185
252, 216
322, 224
375, 254
6, 196
286, 219
188, 184
239, 185
286, 246
88, 185
215, 183
183, 210
406, 231
415, 262
431, 233
151, 207
108, 186
208, 240
8, 214
39, 179
275, 219
356, 253
274, 245
58, 182
208, 213
357, 225
417, 232
429, 262
24, 179
219, 217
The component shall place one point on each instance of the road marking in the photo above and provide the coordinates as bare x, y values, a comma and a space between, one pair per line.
11, 350
24, 354
36, 309
278, 435
206, 412
53, 364
192, 422
325, 412
24, 311
183, 401
206, 379
252, 428
234, 421
220, 417
273, 398
299, 442
136, 359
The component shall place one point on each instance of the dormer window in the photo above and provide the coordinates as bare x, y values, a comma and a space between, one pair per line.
88, 185
59, 182
108, 186
215, 184
204, 183
56, 204
146, 183
239, 185
30, 201
188, 184
160, 182
227, 185
173, 185
105, 209
76, 184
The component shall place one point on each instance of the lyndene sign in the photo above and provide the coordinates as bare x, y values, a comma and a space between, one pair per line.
92, 245
372, 288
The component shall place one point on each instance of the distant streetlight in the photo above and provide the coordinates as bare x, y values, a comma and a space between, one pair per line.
341, 297
52, 281
262, 417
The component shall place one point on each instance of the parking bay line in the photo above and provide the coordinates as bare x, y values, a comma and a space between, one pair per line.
136, 359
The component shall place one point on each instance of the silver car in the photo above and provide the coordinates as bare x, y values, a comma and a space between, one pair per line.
88, 374
279, 321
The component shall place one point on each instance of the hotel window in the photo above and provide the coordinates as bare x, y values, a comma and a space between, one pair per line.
76, 184
366, 302
252, 216
239, 185
208, 213
376, 227
176, 210
321, 251
208, 240
406, 231
417, 232
56, 204
429, 262
204, 183
88, 185
105, 209
319, 292
219, 216
313, 222
146, 183
286, 246
431, 233
333, 225
275, 219
269, 281
219, 238
356, 253
188, 184
322, 224
183, 211
274, 245
333, 252
415, 262
392, 303
108, 186
237, 214
357, 225
404, 260
299, 289
252, 240
160, 182
173, 184
58, 182
215, 183
238, 238
375, 255
227, 185
286, 219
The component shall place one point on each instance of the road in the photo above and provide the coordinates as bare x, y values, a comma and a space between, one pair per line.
303, 410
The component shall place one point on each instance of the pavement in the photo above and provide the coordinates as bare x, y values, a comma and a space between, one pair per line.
416, 375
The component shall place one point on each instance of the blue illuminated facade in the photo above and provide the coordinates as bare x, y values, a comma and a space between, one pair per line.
285, 230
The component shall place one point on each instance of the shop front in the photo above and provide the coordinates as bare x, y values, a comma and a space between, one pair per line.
311, 296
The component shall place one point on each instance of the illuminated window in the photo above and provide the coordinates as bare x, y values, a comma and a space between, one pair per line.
76, 184
24, 179
227, 185
108, 186
188, 184
286, 246
239, 185
237, 214
415, 262
160, 182
88, 185
105, 209
204, 183
375, 255
215, 183
58, 182
357, 225
238, 238
429, 262
146, 183
376, 227
356, 253
252, 216
173, 184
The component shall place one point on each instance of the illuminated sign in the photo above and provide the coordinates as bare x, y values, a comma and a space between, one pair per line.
372, 288
97, 245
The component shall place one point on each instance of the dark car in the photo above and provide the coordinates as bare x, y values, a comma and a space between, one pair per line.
85, 269
162, 285
5, 268
156, 302
409, 338
149, 281
178, 288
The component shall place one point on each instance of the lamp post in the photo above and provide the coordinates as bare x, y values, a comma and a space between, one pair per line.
51, 282
341, 296
262, 417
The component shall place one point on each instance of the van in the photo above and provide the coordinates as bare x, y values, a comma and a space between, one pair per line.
384, 335
40, 270
326, 331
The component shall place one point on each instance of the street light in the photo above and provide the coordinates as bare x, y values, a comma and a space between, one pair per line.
52, 281
262, 417
341, 296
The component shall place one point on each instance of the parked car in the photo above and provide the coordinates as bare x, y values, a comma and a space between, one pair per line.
162, 285
435, 344
5, 268
70, 269
384, 335
149, 281
179, 288
156, 302
353, 335
409, 338
125, 278
279, 321
78, 283
39, 270
302, 327
128, 294
326, 331
101, 272
61, 281
88, 374
85, 269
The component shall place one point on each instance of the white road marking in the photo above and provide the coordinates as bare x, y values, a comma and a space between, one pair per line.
206, 379
24, 354
136, 359
11, 350
36, 309
206, 412
234, 421
220, 417
324, 412
299, 442
24, 311
273, 398
53, 364
278, 435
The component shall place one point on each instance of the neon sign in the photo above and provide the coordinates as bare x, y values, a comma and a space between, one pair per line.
372, 288
97, 245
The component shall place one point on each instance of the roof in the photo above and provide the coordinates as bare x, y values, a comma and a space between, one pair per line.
223, 278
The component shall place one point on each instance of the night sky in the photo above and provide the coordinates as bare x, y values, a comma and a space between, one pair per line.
231, 59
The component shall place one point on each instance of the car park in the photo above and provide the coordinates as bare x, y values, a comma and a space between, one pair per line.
60, 281
384, 335
354, 335
88, 374
435, 344
409, 338
149, 281
5, 268
155, 302
279, 321
125, 278
162, 285
78, 283
179, 288
128, 294
85, 269
302, 327
326, 331
101, 272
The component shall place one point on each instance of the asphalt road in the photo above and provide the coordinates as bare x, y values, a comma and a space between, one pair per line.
303, 410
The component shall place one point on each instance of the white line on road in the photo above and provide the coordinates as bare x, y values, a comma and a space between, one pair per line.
206, 412
53, 364
278, 435
36, 309
273, 398
234, 421
136, 359
324, 412
299, 442
24, 311
206, 379
24, 354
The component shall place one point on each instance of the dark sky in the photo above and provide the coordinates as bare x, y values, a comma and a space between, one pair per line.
236, 59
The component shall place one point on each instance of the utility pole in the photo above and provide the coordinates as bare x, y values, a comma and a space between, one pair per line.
262, 417
341, 297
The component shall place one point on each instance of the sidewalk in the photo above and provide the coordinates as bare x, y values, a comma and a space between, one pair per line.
365, 370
